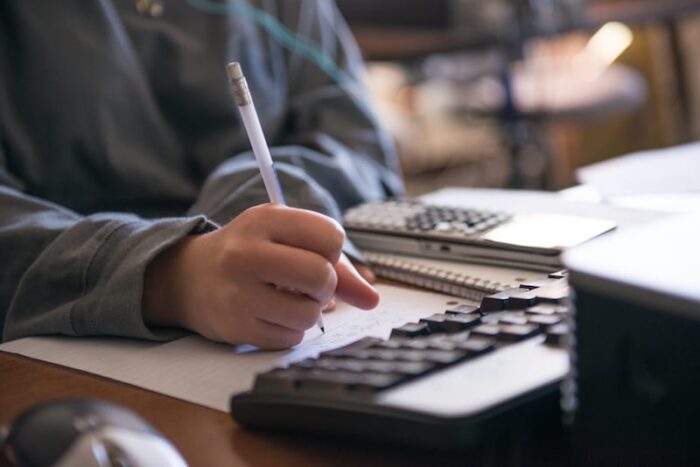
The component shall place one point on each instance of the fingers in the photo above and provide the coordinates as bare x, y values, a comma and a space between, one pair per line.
287, 309
366, 273
330, 306
298, 228
271, 336
301, 270
352, 287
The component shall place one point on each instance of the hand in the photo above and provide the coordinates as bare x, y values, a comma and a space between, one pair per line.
233, 285
354, 285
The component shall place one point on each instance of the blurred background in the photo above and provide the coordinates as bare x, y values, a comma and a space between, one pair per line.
522, 93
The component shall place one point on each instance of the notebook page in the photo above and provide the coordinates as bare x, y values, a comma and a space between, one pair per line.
207, 373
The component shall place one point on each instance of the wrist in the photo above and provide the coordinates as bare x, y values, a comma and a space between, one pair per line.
164, 285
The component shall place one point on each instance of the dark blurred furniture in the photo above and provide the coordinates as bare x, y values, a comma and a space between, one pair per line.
410, 30
406, 30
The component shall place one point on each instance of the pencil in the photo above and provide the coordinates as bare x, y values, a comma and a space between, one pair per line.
253, 129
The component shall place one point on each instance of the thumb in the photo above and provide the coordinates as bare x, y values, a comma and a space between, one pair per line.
352, 287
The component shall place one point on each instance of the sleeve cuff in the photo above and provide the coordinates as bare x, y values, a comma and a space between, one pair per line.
112, 301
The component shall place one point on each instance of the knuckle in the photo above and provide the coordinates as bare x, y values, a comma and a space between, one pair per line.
254, 216
336, 234
330, 281
324, 279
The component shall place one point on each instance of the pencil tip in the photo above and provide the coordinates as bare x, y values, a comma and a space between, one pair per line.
323, 329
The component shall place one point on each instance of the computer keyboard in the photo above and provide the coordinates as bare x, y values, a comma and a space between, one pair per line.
444, 381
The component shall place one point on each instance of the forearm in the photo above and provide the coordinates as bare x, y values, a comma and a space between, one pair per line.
77, 275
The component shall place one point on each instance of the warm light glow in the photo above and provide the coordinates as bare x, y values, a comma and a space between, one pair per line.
608, 43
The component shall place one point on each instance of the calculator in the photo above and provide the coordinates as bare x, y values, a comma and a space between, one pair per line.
522, 240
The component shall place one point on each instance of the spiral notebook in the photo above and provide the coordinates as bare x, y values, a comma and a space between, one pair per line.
470, 281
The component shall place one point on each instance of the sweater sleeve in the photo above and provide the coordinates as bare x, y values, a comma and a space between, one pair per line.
331, 153
78, 275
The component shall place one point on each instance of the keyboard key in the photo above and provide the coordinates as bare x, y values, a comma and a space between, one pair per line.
411, 330
412, 368
386, 354
346, 364
458, 337
546, 309
524, 299
457, 323
436, 322
393, 343
487, 330
305, 364
498, 301
513, 319
372, 383
558, 295
536, 284
545, 320
477, 345
444, 357
418, 343
348, 352
517, 332
364, 343
441, 344
463, 310
354, 349
280, 379
343, 381
377, 366
557, 334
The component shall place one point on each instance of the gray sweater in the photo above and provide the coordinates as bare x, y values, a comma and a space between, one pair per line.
118, 136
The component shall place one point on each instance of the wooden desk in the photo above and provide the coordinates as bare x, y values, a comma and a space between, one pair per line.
204, 436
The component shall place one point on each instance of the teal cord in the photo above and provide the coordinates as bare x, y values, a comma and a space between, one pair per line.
293, 42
